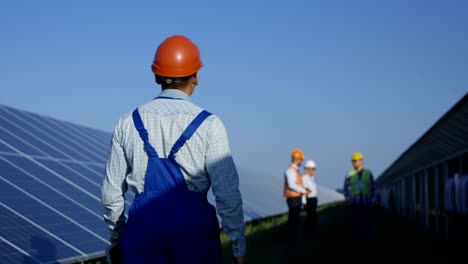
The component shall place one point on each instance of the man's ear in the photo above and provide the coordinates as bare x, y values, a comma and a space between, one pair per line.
195, 79
158, 81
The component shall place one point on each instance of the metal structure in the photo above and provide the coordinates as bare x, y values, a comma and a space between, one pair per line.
415, 185
50, 187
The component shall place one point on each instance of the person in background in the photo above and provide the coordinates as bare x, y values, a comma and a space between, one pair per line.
359, 191
293, 191
310, 200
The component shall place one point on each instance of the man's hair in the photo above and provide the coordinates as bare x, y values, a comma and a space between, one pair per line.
174, 82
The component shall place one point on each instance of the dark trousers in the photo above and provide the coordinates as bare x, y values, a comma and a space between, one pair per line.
311, 208
361, 215
294, 205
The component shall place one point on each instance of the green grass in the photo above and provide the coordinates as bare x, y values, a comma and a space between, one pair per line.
395, 240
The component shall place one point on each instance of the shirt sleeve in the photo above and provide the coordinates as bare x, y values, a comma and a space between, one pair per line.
345, 188
309, 183
114, 186
225, 185
291, 178
313, 188
306, 181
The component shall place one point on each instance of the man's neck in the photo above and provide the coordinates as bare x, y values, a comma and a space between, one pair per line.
358, 169
176, 93
185, 91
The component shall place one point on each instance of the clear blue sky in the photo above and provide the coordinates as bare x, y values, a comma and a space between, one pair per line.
329, 77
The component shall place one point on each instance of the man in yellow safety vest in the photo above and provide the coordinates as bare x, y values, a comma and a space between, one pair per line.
359, 191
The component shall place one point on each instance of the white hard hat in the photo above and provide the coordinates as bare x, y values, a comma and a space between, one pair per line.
310, 164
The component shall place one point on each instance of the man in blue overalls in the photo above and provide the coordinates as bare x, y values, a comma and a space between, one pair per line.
170, 152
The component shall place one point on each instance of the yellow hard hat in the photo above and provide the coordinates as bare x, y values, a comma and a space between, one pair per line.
357, 156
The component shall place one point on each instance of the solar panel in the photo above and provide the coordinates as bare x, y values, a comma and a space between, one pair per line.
4, 148
263, 194
13, 254
30, 138
50, 179
50, 187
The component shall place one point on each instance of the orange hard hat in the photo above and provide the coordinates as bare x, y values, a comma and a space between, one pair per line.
297, 154
177, 56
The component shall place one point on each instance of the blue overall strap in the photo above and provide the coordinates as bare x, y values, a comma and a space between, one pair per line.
143, 134
188, 133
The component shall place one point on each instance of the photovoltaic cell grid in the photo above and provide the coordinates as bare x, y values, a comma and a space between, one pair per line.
50, 178
50, 181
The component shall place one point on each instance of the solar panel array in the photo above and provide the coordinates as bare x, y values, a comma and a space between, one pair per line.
263, 193
50, 181
50, 177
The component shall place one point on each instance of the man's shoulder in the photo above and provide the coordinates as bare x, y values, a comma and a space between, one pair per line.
369, 172
124, 120
183, 109
170, 108
290, 170
351, 173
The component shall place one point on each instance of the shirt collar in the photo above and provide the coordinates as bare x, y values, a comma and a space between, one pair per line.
174, 93
294, 166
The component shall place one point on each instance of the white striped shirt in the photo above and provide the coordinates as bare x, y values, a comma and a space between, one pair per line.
205, 161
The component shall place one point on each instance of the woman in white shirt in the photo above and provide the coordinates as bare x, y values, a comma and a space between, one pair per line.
310, 199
